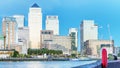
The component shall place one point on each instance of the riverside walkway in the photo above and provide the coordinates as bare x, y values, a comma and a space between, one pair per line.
111, 64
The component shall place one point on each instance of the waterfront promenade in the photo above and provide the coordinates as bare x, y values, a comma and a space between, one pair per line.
111, 64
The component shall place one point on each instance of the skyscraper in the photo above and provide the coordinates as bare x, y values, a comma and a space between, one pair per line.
52, 23
73, 33
19, 20
9, 27
88, 31
20, 23
35, 25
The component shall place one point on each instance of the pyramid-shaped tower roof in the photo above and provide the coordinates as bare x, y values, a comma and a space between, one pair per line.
35, 5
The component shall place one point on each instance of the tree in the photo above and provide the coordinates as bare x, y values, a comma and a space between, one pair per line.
110, 57
15, 54
118, 54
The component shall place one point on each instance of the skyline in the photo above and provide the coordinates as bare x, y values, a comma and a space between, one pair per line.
71, 13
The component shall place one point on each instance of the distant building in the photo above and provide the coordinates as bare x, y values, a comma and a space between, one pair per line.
50, 41
63, 41
23, 39
5, 53
73, 33
1, 42
46, 38
116, 50
94, 47
52, 23
20, 23
20, 20
9, 27
35, 25
88, 31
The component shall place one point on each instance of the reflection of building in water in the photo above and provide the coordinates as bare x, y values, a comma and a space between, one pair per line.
50, 41
94, 47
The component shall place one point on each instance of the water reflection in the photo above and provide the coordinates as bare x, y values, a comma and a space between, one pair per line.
43, 64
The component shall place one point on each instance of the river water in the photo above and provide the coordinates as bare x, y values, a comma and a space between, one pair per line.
43, 64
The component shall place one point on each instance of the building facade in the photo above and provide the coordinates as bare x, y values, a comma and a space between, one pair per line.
94, 47
20, 20
116, 50
73, 33
52, 23
46, 38
23, 39
51, 41
1, 42
88, 31
35, 25
20, 23
64, 41
9, 27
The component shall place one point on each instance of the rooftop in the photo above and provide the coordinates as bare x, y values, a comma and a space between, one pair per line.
35, 5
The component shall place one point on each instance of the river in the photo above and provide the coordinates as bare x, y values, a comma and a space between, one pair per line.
43, 64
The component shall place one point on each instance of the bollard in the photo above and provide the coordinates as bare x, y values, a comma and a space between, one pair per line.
104, 58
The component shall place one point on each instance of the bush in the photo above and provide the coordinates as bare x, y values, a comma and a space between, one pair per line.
110, 57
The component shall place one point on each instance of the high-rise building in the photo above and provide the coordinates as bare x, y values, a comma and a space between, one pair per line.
88, 31
52, 23
20, 23
35, 25
73, 33
19, 20
23, 39
9, 27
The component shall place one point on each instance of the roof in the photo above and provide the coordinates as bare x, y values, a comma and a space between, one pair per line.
35, 5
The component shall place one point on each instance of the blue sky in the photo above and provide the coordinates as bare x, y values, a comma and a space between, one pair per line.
71, 13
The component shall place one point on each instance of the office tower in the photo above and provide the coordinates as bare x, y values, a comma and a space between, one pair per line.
88, 31
20, 23
52, 23
73, 33
19, 20
23, 39
9, 27
35, 25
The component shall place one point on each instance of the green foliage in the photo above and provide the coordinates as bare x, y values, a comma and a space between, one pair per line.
118, 54
44, 51
73, 55
15, 54
110, 57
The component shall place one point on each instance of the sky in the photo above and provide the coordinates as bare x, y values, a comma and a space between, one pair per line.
71, 13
